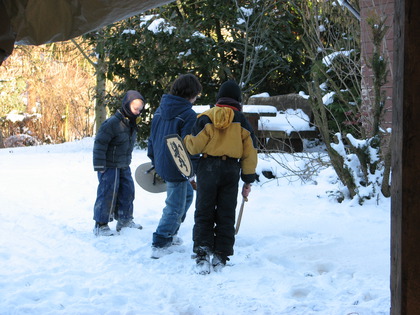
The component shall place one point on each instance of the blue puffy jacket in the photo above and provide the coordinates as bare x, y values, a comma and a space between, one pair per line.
114, 143
174, 116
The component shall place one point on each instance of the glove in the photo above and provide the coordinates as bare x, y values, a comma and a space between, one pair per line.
246, 189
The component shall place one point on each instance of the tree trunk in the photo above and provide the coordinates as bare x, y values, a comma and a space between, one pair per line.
321, 121
100, 70
1, 140
100, 108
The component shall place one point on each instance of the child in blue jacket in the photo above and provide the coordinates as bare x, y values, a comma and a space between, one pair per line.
112, 150
174, 116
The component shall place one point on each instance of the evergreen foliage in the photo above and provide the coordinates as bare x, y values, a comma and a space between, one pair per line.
256, 43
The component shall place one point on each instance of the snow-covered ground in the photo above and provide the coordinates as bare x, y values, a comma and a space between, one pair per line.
298, 251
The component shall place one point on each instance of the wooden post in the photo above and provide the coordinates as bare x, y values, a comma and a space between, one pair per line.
405, 205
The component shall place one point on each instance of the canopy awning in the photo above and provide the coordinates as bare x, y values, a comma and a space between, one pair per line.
36, 22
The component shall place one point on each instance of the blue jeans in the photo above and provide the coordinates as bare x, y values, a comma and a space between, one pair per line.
179, 196
115, 195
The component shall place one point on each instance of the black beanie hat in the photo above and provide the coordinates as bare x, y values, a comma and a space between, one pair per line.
230, 89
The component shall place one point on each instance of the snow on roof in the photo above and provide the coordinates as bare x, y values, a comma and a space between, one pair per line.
287, 121
264, 94
246, 109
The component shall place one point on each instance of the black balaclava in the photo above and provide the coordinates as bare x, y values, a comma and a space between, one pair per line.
130, 96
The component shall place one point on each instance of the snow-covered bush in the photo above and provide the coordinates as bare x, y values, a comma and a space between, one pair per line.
358, 147
361, 163
20, 140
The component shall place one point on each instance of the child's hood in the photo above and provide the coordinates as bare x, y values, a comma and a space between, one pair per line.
172, 106
221, 117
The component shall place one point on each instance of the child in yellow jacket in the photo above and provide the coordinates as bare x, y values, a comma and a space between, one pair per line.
228, 148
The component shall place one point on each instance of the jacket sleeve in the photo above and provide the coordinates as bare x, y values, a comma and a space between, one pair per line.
185, 131
199, 137
100, 146
249, 158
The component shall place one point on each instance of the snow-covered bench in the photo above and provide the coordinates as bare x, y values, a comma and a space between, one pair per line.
292, 123
286, 131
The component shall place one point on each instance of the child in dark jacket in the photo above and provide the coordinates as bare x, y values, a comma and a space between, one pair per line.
226, 142
174, 116
112, 151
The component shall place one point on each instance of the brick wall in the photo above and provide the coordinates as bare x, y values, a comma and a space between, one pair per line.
383, 9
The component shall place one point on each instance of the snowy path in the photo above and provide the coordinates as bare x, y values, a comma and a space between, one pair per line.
297, 252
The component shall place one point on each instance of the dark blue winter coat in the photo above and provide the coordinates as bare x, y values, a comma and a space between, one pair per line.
174, 116
114, 143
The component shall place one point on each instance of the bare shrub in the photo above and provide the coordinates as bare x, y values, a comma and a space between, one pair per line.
57, 89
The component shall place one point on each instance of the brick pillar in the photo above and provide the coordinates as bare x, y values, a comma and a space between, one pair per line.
382, 9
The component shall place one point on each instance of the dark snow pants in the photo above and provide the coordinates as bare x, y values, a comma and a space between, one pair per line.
217, 193
115, 195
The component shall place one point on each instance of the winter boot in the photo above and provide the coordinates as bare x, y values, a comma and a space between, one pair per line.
159, 252
219, 261
127, 224
102, 229
202, 260
176, 240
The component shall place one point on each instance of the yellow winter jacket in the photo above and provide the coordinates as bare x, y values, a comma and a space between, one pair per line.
222, 131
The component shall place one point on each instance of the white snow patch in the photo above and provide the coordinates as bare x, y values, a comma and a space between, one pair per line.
297, 252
